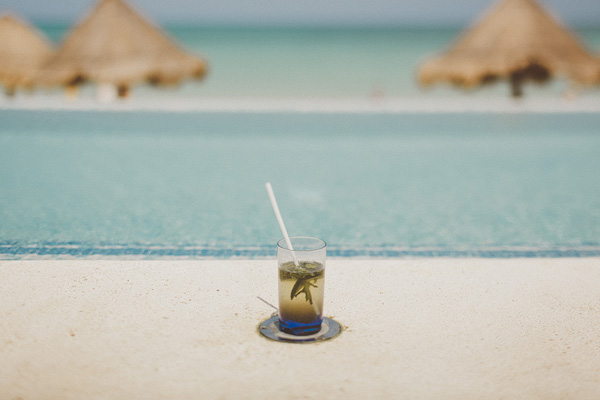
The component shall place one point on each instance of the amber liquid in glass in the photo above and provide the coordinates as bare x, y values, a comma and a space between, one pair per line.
301, 290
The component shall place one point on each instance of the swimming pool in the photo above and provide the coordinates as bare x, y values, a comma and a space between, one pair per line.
191, 184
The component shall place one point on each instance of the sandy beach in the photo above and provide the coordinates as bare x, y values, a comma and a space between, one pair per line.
422, 328
369, 105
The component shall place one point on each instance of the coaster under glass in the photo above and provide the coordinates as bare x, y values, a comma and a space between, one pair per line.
270, 329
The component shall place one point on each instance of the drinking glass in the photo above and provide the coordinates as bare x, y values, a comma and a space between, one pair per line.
301, 285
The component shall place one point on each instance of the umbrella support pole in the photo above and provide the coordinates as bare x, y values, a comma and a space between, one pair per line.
516, 85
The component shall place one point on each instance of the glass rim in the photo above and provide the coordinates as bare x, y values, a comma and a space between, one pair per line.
320, 244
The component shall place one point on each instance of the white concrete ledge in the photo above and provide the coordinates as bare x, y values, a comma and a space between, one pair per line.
427, 329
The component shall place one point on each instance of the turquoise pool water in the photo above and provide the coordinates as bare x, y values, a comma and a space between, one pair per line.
152, 184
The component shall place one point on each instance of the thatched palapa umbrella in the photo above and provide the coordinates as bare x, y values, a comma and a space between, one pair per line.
23, 50
115, 45
519, 41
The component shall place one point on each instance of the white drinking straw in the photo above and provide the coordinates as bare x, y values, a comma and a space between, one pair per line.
280, 220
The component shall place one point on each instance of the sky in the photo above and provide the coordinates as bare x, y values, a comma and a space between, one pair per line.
580, 13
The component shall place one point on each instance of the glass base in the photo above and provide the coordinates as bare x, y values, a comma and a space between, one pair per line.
271, 329
299, 329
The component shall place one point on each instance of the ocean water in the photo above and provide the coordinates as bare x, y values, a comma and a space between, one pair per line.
191, 184
323, 62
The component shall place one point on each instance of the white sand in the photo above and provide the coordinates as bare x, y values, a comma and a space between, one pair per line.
165, 102
427, 329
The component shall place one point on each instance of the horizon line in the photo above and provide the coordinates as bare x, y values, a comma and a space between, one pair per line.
51, 23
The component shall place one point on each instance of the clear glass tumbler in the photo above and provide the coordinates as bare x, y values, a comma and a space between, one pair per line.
301, 286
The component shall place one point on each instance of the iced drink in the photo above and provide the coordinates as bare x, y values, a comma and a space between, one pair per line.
301, 290
301, 285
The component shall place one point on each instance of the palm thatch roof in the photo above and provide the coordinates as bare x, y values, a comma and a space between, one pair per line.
115, 45
519, 41
23, 50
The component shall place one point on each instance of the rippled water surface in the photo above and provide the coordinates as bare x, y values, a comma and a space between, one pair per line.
447, 183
